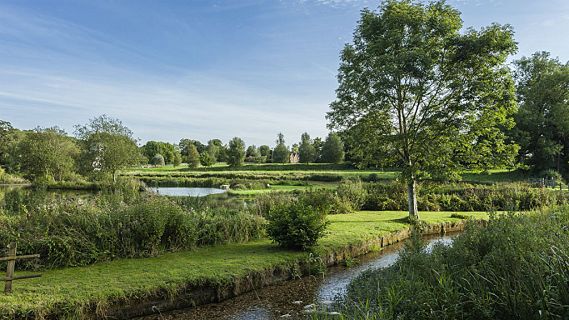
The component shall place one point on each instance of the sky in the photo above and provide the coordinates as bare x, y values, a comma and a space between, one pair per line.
205, 69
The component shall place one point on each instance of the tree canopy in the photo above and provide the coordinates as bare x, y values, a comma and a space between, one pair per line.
433, 98
542, 123
236, 152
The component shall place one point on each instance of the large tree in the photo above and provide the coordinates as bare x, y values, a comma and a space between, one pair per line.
433, 98
108, 146
542, 123
10, 138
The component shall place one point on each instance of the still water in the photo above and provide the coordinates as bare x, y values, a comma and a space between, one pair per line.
186, 192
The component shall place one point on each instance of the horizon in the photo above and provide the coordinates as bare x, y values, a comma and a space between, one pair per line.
205, 70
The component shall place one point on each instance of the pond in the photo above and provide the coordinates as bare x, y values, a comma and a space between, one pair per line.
185, 192
293, 299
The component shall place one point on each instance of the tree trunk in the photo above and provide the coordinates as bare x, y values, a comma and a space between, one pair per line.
412, 199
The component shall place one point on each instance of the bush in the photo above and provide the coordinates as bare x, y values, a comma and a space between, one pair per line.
296, 225
157, 160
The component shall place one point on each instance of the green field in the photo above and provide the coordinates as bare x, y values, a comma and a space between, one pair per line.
65, 291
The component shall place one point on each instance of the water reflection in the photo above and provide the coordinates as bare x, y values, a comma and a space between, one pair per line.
185, 192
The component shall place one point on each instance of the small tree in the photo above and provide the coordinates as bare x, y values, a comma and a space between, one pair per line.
193, 158
158, 160
207, 159
307, 152
236, 152
177, 160
281, 153
333, 149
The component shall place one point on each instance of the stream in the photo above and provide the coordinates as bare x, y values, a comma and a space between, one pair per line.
290, 299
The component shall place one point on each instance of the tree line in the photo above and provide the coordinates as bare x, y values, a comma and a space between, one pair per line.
99, 149
236, 153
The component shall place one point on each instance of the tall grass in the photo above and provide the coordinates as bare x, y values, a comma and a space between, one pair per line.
515, 268
75, 231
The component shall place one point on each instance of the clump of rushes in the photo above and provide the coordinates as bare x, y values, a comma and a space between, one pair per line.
296, 224
515, 268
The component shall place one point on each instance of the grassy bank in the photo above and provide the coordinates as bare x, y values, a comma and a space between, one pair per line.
70, 292
516, 267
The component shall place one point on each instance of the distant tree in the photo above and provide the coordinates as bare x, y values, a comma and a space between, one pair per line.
333, 149
158, 160
542, 122
254, 155
236, 152
107, 147
193, 157
265, 152
281, 153
207, 159
167, 150
184, 146
177, 160
220, 150
318, 144
307, 152
436, 98
48, 154
10, 138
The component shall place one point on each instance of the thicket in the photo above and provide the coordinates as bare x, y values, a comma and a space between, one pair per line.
76, 231
515, 268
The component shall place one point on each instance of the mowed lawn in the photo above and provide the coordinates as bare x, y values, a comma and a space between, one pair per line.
66, 290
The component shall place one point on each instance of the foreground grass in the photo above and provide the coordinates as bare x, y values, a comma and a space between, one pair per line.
65, 291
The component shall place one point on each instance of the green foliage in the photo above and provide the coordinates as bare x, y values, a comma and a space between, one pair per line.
157, 160
253, 154
107, 147
72, 232
167, 150
420, 93
542, 122
207, 159
515, 268
193, 156
48, 154
265, 152
236, 152
333, 149
306, 150
281, 154
296, 225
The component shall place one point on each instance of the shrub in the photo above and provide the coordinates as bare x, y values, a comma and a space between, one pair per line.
158, 160
353, 194
296, 225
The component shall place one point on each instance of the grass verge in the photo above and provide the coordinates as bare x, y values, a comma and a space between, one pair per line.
67, 292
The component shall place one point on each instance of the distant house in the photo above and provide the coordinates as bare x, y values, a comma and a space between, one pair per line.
294, 157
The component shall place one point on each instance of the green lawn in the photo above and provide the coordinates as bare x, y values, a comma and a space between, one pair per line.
67, 289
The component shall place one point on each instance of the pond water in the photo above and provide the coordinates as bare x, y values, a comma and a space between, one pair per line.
290, 299
185, 192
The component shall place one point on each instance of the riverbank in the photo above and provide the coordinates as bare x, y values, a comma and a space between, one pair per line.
133, 287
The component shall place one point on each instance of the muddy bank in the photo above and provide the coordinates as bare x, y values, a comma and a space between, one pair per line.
206, 293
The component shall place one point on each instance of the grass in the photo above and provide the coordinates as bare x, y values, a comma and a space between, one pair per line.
285, 188
299, 171
66, 290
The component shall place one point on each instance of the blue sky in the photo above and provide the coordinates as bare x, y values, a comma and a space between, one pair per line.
205, 69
